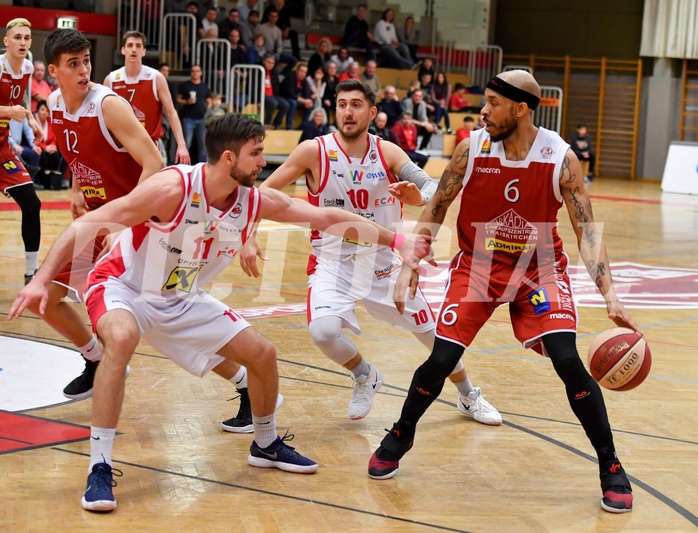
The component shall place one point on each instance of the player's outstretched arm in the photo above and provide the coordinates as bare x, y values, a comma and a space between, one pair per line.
592, 248
124, 126
114, 216
302, 162
282, 208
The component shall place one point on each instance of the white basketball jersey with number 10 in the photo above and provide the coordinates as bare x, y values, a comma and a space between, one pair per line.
359, 185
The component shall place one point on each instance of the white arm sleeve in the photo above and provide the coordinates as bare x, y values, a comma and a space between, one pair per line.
412, 173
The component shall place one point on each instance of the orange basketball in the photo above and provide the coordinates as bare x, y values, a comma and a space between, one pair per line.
619, 359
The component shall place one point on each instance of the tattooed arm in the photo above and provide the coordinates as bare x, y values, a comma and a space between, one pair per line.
433, 216
589, 239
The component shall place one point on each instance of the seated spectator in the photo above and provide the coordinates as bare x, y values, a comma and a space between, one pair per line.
273, 102
427, 66
296, 91
21, 140
321, 55
316, 126
209, 27
231, 22
284, 24
464, 132
417, 109
351, 73
256, 53
343, 60
405, 134
581, 146
216, 109
52, 163
433, 108
246, 7
317, 86
380, 127
274, 41
458, 102
441, 95
370, 78
390, 105
328, 97
413, 86
356, 32
407, 34
249, 27
40, 86
395, 53
188, 47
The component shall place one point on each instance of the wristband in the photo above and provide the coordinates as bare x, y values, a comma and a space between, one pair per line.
398, 241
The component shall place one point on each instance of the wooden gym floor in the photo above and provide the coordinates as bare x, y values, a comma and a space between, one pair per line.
534, 473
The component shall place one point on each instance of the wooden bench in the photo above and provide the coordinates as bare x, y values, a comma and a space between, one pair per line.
457, 119
278, 145
449, 145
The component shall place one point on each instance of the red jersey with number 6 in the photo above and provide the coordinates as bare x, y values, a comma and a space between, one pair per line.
103, 169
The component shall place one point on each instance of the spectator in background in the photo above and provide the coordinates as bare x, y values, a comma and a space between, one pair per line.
331, 82
322, 55
246, 7
249, 27
216, 109
316, 126
395, 53
195, 98
427, 66
404, 133
51, 162
167, 147
317, 85
464, 132
581, 146
342, 59
390, 105
40, 87
370, 78
458, 102
284, 24
356, 32
380, 127
274, 41
441, 95
407, 34
209, 28
21, 141
232, 21
238, 56
417, 109
256, 52
351, 73
188, 47
272, 99
296, 91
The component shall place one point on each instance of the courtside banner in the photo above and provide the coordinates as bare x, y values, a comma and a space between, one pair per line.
681, 168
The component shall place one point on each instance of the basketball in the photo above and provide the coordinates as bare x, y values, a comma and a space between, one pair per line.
619, 359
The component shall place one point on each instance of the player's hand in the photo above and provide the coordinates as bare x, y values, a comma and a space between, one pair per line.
415, 248
407, 279
182, 155
38, 132
17, 112
248, 257
408, 193
31, 295
620, 316
78, 205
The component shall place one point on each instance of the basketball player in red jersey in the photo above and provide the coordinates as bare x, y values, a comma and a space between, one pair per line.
15, 181
514, 177
354, 170
146, 90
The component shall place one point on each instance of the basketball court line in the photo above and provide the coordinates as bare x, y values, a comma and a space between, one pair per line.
313, 501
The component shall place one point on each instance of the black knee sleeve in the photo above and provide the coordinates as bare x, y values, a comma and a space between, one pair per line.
29, 203
562, 349
443, 359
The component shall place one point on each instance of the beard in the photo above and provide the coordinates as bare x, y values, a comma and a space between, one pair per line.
350, 136
244, 179
505, 131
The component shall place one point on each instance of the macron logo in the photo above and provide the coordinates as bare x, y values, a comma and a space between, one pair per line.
488, 170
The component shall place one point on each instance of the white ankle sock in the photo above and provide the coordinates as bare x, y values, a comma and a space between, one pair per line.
101, 444
264, 429
239, 380
31, 261
362, 369
92, 351
464, 387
